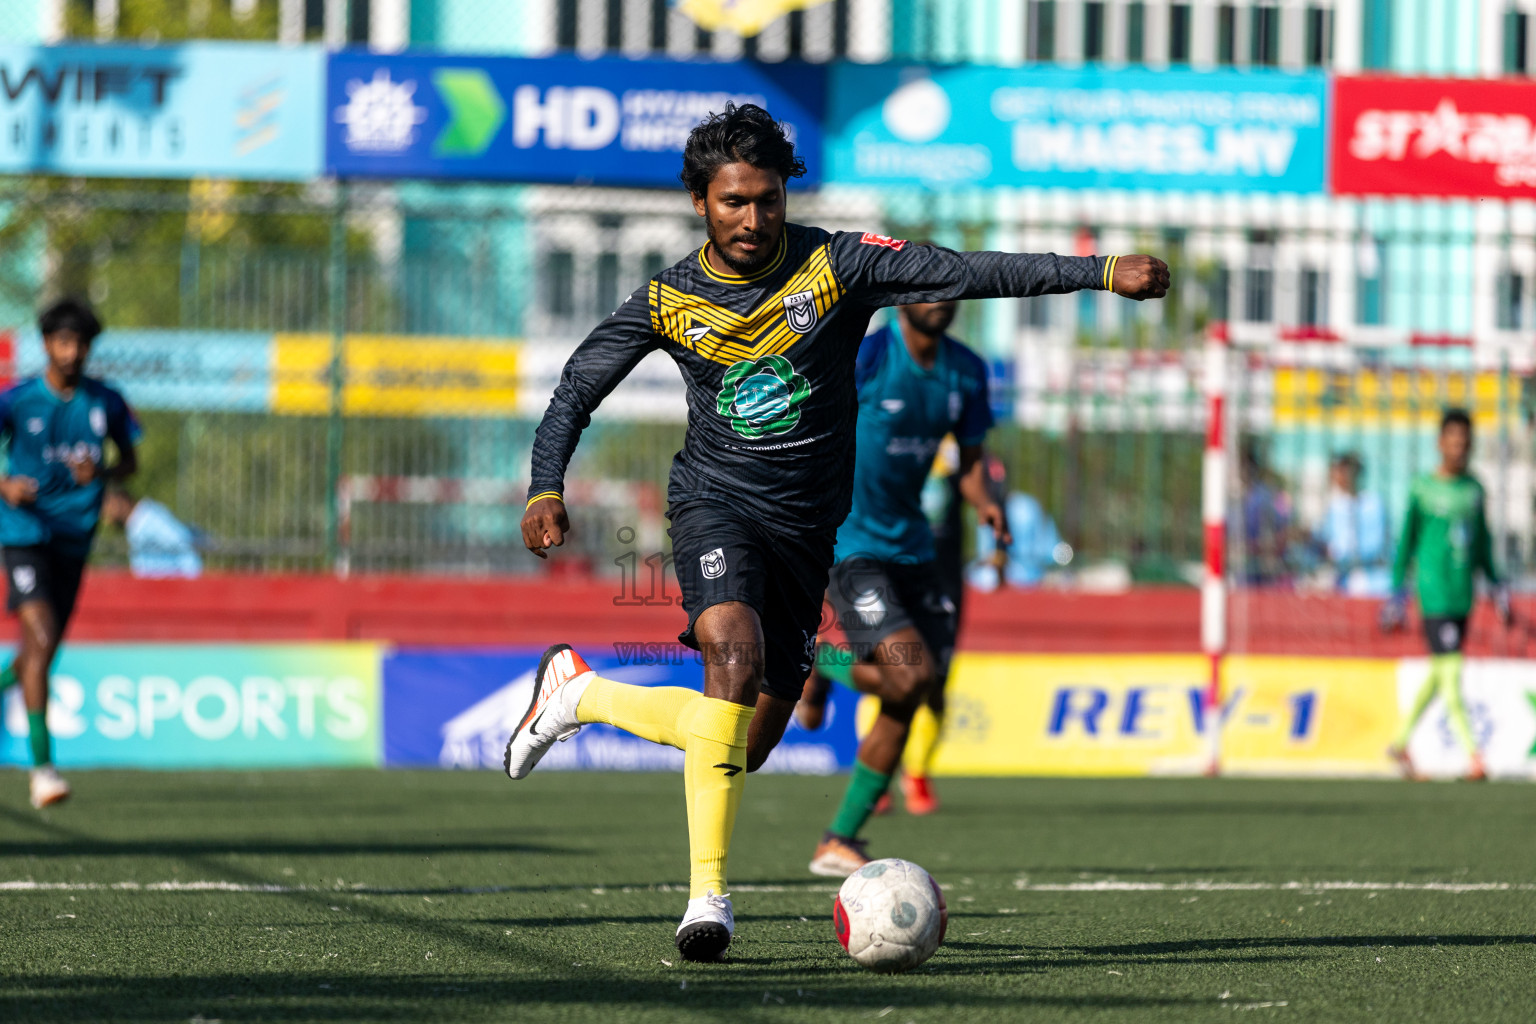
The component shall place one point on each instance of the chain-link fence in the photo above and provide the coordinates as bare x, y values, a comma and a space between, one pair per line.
348, 378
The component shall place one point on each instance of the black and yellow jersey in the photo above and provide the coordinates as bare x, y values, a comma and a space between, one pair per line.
768, 361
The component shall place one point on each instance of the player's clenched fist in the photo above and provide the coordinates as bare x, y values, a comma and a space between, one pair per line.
545, 525
1140, 277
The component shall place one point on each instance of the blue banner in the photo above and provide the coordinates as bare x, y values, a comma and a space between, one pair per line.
456, 709
1218, 131
223, 371
608, 121
223, 110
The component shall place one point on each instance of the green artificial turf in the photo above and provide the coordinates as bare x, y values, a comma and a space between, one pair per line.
581, 874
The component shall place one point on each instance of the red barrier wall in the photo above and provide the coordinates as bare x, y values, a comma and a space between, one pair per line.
454, 611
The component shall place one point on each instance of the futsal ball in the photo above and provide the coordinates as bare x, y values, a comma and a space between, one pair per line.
890, 915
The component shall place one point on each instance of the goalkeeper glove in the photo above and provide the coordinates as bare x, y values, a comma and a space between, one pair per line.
1394, 613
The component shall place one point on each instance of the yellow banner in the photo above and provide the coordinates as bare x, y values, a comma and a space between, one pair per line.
394, 375
1012, 714
1396, 397
743, 17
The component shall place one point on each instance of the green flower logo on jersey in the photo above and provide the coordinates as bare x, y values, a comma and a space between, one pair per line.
762, 396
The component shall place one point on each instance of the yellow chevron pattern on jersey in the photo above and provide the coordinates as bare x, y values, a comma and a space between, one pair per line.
722, 336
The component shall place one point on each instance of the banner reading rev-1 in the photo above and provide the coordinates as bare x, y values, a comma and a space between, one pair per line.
608, 121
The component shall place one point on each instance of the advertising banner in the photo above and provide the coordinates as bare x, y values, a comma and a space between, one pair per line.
398, 375
1078, 714
207, 706
224, 110
1500, 696
1222, 131
455, 709
1434, 137
605, 121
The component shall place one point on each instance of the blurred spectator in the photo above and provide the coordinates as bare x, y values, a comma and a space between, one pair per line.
1354, 533
1266, 520
1036, 548
159, 544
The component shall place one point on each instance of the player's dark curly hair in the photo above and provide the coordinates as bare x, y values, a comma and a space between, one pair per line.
69, 315
1455, 418
746, 134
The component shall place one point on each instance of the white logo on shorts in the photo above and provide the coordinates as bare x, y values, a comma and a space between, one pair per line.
1449, 634
25, 577
870, 607
712, 564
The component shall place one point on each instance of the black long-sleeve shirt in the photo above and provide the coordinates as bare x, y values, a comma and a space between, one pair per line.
768, 362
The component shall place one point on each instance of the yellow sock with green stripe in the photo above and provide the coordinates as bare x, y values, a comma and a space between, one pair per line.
922, 741
714, 773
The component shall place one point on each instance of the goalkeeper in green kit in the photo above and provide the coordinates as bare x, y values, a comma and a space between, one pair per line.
1446, 538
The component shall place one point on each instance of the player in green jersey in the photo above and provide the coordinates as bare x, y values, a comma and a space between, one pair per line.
1446, 538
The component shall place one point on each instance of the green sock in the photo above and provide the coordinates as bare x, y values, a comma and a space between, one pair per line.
37, 731
835, 663
865, 788
7, 676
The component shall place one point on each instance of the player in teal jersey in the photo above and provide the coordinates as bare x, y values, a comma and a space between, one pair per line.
915, 386
55, 428
1445, 536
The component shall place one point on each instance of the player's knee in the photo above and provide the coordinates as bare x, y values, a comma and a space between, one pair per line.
907, 685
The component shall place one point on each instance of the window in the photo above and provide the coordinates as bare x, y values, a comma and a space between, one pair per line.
1514, 301
1040, 31
1219, 294
608, 297
658, 24
1035, 312
1517, 35
796, 34
1178, 34
1314, 298
1093, 31
560, 283
1319, 37
839, 28
1258, 295
1226, 34
565, 25
1264, 36
613, 25
1370, 283
652, 263
1136, 32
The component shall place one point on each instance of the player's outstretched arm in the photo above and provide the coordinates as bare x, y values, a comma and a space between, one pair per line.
597, 366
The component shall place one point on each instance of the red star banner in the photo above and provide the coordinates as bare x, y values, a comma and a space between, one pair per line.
1434, 137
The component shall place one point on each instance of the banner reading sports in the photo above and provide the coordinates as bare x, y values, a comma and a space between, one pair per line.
608, 121
225, 110
1087, 128
207, 706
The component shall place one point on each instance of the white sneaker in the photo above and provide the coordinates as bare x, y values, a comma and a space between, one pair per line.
557, 688
48, 787
707, 928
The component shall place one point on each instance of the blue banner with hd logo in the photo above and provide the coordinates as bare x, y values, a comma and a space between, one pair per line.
222, 110
608, 121
1199, 131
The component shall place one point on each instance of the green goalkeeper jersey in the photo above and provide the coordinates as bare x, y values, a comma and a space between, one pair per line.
1446, 538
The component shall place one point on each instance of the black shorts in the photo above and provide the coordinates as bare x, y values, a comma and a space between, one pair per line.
874, 599
721, 554
41, 572
1445, 635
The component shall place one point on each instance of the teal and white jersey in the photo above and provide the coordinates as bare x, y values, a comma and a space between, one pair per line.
42, 433
904, 413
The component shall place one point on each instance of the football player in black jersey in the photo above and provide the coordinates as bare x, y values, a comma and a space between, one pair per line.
764, 321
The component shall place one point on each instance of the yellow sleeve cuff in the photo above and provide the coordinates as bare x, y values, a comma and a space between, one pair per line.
541, 496
1109, 273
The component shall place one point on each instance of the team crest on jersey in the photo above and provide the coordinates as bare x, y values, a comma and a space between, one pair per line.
762, 396
712, 564
800, 311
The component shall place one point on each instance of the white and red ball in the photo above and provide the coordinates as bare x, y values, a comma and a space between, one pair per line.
890, 915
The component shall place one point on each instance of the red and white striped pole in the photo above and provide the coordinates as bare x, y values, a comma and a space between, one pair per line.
1213, 517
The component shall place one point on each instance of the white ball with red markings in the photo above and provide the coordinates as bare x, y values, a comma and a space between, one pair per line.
890, 915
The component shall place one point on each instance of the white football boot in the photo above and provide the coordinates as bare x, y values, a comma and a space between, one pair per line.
557, 688
707, 928
48, 787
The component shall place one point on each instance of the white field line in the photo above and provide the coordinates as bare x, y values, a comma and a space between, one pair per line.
1021, 885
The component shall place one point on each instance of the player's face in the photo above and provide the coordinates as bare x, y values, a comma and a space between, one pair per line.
930, 317
67, 353
743, 214
1455, 447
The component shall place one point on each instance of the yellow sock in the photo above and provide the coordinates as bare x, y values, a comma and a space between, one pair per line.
922, 741
656, 713
714, 772
865, 714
